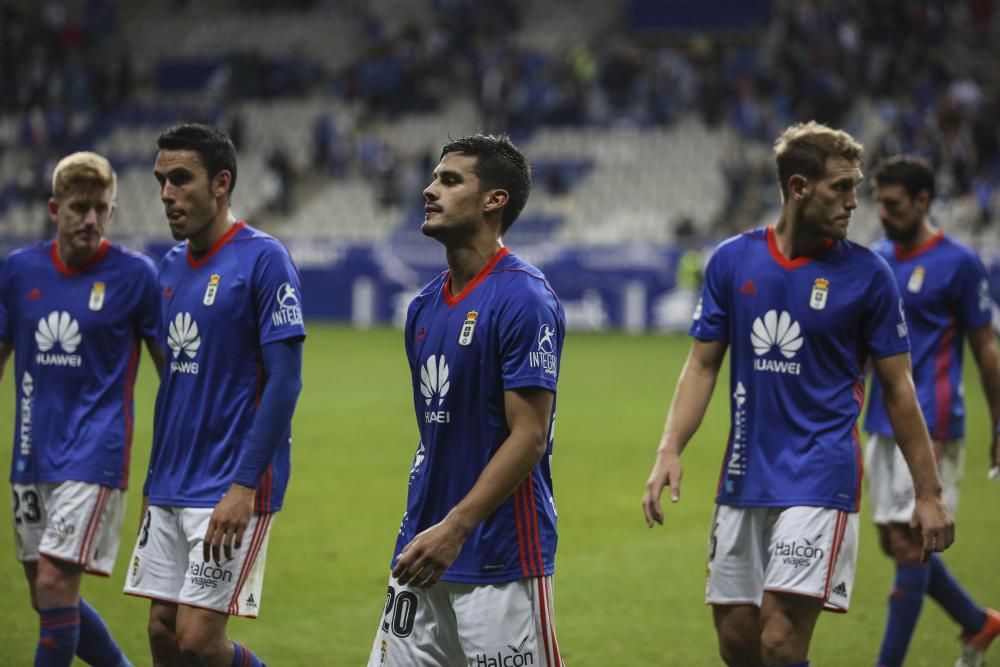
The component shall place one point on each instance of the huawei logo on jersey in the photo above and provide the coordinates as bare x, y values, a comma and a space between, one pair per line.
776, 330
58, 328
182, 336
434, 383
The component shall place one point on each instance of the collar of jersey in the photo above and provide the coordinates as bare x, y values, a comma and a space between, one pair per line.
74, 270
784, 262
453, 301
903, 255
223, 240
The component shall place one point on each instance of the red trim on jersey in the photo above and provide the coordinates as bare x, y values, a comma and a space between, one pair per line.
453, 301
920, 249
102, 250
131, 370
526, 526
533, 515
264, 486
256, 540
784, 262
223, 240
859, 396
518, 520
90, 532
942, 381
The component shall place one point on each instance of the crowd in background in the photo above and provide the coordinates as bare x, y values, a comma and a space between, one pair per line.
922, 67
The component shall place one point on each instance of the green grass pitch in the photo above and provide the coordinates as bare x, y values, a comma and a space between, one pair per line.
625, 595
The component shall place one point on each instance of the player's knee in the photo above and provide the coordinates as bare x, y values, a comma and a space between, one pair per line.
201, 646
777, 646
52, 587
901, 544
161, 633
739, 652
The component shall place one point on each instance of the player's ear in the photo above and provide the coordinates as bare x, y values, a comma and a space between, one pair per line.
53, 209
495, 200
923, 200
798, 186
220, 184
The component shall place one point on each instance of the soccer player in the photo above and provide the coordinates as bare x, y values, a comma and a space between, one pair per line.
471, 579
74, 311
946, 298
221, 432
803, 309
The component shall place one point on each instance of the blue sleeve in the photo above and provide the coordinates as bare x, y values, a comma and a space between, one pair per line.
884, 325
277, 296
971, 294
711, 316
532, 327
282, 384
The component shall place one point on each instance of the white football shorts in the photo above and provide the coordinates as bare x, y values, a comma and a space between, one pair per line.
467, 624
76, 522
890, 485
168, 562
809, 551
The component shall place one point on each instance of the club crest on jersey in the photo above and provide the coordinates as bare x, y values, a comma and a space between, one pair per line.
97, 296
916, 280
211, 289
468, 328
817, 300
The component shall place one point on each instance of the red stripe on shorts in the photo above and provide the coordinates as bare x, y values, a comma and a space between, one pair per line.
543, 611
534, 523
838, 540
92, 524
256, 539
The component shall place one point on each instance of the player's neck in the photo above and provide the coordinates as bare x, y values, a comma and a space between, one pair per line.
75, 258
925, 232
465, 262
794, 242
212, 232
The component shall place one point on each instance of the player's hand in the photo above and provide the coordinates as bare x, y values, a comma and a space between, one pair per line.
936, 526
144, 514
422, 562
667, 471
229, 521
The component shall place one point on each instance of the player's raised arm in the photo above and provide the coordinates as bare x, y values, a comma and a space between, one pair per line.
929, 514
694, 390
984, 351
430, 553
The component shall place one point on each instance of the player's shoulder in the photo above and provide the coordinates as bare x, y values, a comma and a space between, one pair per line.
884, 248
30, 254
255, 240
131, 260
953, 248
518, 276
857, 255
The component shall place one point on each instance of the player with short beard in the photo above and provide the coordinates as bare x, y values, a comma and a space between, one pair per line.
946, 298
784, 537
220, 462
74, 310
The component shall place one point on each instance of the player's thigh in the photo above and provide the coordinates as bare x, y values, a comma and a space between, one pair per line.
234, 586
417, 628
198, 629
813, 553
737, 556
787, 621
507, 624
74, 522
737, 628
159, 561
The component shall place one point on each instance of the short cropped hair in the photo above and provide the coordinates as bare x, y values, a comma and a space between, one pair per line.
212, 145
912, 172
805, 147
501, 165
83, 170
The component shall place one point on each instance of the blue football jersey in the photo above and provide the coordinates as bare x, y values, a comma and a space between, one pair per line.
945, 295
800, 334
504, 331
217, 312
77, 335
